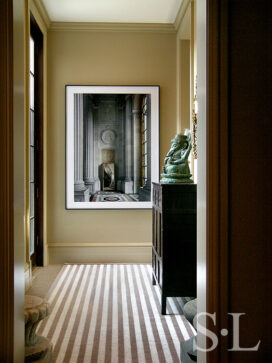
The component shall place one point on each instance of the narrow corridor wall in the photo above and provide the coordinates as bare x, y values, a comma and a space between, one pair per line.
103, 58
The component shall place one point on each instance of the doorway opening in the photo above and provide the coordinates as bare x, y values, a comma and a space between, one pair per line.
36, 144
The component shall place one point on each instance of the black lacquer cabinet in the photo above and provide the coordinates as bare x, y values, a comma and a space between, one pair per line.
174, 240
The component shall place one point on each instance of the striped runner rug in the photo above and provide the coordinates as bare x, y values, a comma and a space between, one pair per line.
111, 313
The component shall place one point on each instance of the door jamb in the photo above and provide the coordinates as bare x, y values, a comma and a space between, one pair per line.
217, 175
6, 182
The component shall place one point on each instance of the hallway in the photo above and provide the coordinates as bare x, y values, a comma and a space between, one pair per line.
110, 313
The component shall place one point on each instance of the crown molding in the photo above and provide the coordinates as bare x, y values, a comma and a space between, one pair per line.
43, 12
181, 13
114, 27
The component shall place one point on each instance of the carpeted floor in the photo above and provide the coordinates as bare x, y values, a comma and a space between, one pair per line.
111, 313
42, 280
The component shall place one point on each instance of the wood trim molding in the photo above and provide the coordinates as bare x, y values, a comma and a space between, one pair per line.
6, 182
217, 174
100, 244
181, 13
42, 12
113, 27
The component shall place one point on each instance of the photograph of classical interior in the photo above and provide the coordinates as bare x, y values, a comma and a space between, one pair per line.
112, 147
187, 279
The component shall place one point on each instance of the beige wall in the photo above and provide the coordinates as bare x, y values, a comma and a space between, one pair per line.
186, 71
103, 58
183, 40
183, 100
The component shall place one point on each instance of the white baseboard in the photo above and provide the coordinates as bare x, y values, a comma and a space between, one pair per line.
99, 253
99, 244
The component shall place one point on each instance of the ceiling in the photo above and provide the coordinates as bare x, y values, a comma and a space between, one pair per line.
119, 11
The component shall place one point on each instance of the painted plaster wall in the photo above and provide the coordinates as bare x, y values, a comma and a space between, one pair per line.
186, 73
184, 43
103, 58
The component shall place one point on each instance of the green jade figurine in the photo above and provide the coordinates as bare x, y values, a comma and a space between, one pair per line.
176, 169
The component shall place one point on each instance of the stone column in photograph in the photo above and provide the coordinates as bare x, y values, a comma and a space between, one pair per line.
128, 182
91, 182
145, 191
81, 192
120, 144
137, 161
148, 182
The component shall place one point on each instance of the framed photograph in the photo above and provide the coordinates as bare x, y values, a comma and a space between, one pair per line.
112, 146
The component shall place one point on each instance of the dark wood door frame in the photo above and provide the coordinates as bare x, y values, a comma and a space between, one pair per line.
6, 182
239, 93
217, 173
38, 135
